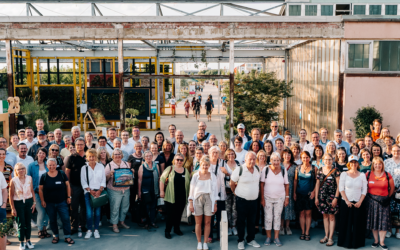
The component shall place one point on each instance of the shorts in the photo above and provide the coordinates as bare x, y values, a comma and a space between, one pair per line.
208, 112
203, 205
173, 106
197, 111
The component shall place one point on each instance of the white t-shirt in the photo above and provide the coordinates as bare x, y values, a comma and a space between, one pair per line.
240, 157
172, 101
133, 142
29, 144
128, 148
3, 185
28, 160
247, 183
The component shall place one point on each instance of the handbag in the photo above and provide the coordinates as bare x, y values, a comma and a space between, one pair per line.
99, 201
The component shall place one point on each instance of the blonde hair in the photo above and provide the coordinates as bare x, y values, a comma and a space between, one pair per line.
377, 160
229, 150
91, 151
205, 159
19, 164
99, 153
165, 143
54, 146
381, 135
262, 152
187, 150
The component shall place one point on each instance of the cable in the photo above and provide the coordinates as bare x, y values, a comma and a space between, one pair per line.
112, 10
84, 11
146, 10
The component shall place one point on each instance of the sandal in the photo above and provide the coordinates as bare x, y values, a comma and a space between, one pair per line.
55, 240
307, 238
324, 240
46, 234
302, 237
69, 241
330, 243
41, 235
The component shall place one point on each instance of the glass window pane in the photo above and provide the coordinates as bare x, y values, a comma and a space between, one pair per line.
366, 56
375, 9
358, 56
359, 9
351, 55
294, 10
394, 50
326, 10
384, 55
391, 10
311, 10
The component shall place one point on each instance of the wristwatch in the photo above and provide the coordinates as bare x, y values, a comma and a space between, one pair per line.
336, 197
70, 197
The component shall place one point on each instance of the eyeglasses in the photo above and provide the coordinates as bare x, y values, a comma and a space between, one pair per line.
54, 150
3, 141
181, 160
117, 154
274, 126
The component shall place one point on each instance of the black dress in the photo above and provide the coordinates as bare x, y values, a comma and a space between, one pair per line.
169, 161
352, 225
135, 164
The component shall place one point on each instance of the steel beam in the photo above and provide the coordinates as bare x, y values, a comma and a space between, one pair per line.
262, 11
181, 11
10, 83
154, 46
250, 9
142, 1
32, 7
176, 76
121, 87
198, 11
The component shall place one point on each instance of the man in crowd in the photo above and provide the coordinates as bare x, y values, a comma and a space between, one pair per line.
314, 142
203, 126
112, 134
200, 137
103, 143
11, 158
125, 144
22, 157
42, 142
39, 127
209, 108
273, 135
58, 139
339, 141
255, 135
30, 140
171, 130
76, 133
135, 136
213, 140
361, 143
368, 142
323, 132
50, 136
145, 142
179, 140
242, 133
21, 134
206, 145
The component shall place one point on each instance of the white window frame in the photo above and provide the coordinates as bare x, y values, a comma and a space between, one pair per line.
370, 57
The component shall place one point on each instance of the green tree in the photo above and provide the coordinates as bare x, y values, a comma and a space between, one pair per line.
256, 99
364, 118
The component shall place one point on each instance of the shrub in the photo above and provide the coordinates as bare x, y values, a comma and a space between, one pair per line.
33, 111
364, 118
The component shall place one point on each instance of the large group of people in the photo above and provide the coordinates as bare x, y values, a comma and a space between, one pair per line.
268, 181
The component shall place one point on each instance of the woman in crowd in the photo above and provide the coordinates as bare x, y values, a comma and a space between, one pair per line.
302, 135
331, 149
193, 105
145, 143
157, 158
353, 188
222, 147
398, 139
174, 188
148, 190
274, 191
354, 150
269, 149
93, 181
203, 199
192, 148
288, 139
119, 196
7, 170
392, 166
35, 170
89, 141
381, 141
376, 151
196, 160
54, 152
186, 105
103, 157
304, 193
159, 139
317, 157
230, 203
288, 212
239, 151
55, 194
365, 161
380, 189
255, 146
167, 153
23, 202
14, 144
188, 162
348, 134
261, 162
341, 160
327, 193
279, 146
388, 149
295, 148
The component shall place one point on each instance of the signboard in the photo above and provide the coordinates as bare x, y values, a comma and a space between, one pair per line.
4, 107
153, 107
192, 89
83, 108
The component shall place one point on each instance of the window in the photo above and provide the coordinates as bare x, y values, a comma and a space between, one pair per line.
359, 9
326, 10
358, 56
391, 10
311, 10
375, 10
294, 10
386, 56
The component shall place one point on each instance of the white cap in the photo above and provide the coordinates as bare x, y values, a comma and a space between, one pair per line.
241, 125
353, 158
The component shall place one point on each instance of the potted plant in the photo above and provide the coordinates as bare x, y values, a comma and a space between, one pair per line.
6, 228
132, 120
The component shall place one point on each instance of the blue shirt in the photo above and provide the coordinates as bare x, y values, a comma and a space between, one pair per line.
223, 99
33, 171
343, 144
248, 144
11, 159
61, 145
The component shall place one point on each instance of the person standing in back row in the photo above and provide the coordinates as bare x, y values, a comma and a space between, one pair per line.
209, 108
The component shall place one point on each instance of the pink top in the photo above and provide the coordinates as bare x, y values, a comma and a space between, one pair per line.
111, 166
22, 191
274, 184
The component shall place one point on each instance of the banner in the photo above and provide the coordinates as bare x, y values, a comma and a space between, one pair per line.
192, 89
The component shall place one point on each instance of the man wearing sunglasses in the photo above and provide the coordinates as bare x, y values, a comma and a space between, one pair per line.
273, 135
22, 157
42, 143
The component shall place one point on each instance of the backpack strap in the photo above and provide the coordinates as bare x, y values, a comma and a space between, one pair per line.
87, 174
110, 146
216, 168
240, 170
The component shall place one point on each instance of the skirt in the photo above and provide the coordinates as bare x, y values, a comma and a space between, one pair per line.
352, 226
303, 202
378, 217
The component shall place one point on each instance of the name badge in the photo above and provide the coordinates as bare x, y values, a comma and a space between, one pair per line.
183, 176
156, 162
308, 174
137, 160
58, 182
330, 177
372, 182
345, 169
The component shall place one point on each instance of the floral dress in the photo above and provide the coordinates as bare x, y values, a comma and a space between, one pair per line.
327, 192
394, 169
289, 212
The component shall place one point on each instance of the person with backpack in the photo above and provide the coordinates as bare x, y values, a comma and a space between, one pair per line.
274, 196
380, 189
245, 185
327, 196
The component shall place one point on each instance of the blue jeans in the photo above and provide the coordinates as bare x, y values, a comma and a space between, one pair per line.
90, 213
42, 217
63, 211
119, 205
3, 215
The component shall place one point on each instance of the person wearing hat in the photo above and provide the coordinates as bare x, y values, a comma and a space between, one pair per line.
42, 143
353, 188
241, 132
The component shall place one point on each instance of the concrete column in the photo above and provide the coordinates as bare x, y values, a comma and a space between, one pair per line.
10, 83
231, 83
121, 84
219, 89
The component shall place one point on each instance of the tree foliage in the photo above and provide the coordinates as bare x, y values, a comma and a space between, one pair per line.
256, 99
364, 118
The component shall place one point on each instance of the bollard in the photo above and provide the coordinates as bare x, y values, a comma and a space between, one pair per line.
224, 231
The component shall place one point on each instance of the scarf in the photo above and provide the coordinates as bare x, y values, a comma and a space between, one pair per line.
155, 175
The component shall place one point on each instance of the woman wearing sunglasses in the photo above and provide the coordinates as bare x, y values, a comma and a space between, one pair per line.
54, 152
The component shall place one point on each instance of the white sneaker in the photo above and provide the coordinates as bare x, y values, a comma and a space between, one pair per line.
388, 234
33, 224
288, 231
199, 246
29, 245
88, 234
241, 245
79, 232
398, 236
282, 231
230, 231
96, 234
205, 247
21, 246
234, 231
253, 243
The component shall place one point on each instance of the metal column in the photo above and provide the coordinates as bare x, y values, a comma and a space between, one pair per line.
285, 100
219, 89
231, 83
121, 84
10, 83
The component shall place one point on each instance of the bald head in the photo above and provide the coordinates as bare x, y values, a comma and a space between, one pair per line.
213, 140
203, 126
179, 136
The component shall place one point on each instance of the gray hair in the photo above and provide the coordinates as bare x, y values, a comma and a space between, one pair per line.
118, 151
205, 142
80, 139
331, 142
200, 148
75, 128
147, 152
138, 143
348, 131
214, 148
205, 159
275, 155
53, 160
58, 129
67, 137
180, 155
250, 153
117, 139
89, 133
338, 131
